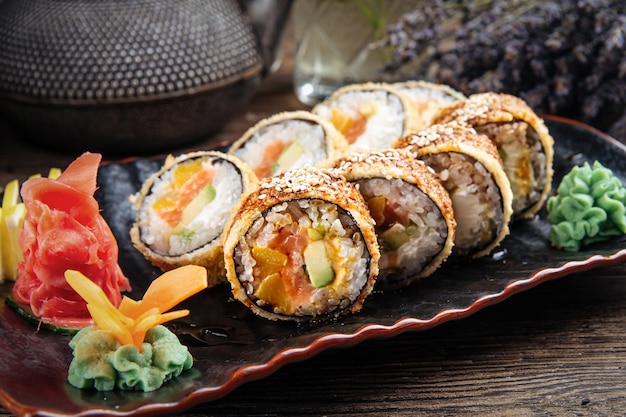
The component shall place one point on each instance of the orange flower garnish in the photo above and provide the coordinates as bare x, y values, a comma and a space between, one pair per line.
132, 319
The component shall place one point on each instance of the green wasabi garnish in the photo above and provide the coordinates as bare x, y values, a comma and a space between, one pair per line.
590, 206
100, 362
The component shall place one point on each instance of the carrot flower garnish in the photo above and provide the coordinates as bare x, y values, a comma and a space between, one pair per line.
132, 319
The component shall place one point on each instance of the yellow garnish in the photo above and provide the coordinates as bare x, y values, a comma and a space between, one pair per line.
10, 227
11, 220
11, 194
130, 322
12, 215
1, 244
54, 173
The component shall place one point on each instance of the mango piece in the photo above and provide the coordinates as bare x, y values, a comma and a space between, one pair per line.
318, 264
183, 173
167, 201
272, 290
376, 205
269, 261
340, 120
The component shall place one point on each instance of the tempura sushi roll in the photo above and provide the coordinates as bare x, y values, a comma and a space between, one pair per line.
369, 115
301, 247
288, 140
522, 139
415, 223
182, 210
470, 168
428, 99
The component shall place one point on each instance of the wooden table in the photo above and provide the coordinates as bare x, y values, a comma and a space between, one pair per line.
556, 350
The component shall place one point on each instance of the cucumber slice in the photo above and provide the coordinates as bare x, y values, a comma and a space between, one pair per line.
26, 313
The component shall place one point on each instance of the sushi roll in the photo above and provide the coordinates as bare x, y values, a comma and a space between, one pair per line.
301, 247
470, 168
428, 99
288, 140
415, 223
369, 115
182, 210
522, 139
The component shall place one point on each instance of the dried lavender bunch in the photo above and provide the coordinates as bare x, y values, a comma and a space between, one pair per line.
564, 57
408, 36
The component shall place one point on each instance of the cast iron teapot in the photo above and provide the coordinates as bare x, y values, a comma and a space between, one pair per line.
126, 77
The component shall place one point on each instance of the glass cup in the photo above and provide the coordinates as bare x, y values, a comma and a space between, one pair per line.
336, 43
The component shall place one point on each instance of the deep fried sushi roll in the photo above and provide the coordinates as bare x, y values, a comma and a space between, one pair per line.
301, 247
415, 224
288, 140
428, 99
182, 210
522, 139
470, 168
369, 115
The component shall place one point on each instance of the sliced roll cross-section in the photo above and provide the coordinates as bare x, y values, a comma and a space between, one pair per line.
288, 140
370, 115
470, 168
522, 139
182, 210
301, 247
415, 224
428, 99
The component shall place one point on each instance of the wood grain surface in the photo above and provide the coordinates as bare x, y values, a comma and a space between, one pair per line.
556, 350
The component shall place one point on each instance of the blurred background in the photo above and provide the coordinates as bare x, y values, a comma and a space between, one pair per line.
131, 78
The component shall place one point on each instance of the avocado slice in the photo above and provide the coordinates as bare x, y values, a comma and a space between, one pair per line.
289, 156
204, 197
394, 237
318, 264
315, 233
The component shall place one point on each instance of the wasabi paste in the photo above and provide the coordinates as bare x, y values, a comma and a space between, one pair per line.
589, 207
100, 361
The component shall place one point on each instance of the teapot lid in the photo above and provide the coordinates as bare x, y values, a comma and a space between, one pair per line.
114, 51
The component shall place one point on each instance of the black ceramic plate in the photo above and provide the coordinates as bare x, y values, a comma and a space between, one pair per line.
230, 346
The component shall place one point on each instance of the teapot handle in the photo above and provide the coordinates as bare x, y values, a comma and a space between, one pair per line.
268, 19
